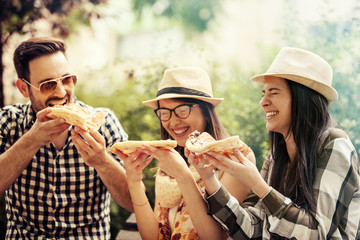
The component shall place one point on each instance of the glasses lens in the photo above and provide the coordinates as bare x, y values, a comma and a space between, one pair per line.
48, 87
182, 111
163, 114
69, 80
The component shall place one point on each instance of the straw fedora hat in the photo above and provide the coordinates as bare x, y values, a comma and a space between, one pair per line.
185, 82
303, 67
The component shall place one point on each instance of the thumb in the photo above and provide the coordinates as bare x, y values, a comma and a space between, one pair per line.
238, 154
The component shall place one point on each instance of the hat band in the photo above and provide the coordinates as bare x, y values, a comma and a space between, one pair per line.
182, 90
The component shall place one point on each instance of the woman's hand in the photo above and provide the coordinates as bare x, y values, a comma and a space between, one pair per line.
203, 166
134, 164
236, 165
170, 161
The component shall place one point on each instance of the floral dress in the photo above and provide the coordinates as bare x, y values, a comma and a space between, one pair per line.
173, 216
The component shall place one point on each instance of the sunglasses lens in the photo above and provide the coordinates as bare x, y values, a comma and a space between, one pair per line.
69, 80
48, 87
74, 79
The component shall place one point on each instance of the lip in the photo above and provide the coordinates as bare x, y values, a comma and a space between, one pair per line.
271, 114
180, 132
52, 103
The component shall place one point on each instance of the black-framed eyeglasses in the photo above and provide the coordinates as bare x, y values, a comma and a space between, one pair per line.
182, 111
48, 87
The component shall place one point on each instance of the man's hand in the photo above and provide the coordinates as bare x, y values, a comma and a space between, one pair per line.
91, 147
45, 129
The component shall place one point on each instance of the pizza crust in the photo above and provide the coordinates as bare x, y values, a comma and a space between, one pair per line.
76, 115
131, 146
204, 142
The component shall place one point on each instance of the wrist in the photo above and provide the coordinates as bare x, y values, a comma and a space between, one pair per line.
105, 165
29, 140
261, 189
212, 184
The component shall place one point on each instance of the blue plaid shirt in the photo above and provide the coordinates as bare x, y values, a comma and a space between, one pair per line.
57, 195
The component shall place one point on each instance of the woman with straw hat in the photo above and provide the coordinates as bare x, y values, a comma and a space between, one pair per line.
184, 103
308, 187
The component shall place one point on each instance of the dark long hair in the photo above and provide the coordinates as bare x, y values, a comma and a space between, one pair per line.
310, 117
213, 125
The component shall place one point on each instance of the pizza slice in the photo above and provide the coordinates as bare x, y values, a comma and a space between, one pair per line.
75, 114
131, 146
203, 142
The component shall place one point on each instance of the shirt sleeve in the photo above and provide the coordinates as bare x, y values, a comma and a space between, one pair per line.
113, 132
336, 189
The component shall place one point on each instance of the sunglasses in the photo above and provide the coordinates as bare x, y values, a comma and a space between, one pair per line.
48, 87
182, 111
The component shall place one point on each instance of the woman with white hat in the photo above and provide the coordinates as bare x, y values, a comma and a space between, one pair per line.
184, 103
308, 187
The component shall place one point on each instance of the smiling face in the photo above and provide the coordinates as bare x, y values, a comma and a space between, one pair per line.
179, 128
276, 102
45, 68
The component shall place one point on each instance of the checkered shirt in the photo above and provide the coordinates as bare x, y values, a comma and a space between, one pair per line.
57, 196
337, 195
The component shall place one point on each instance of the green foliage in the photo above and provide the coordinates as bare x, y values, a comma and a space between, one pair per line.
62, 15
337, 42
192, 15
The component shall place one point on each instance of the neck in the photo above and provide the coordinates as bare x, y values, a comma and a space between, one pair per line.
290, 146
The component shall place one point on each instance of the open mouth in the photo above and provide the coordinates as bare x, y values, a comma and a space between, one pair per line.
180, 131
58, 102
271, 114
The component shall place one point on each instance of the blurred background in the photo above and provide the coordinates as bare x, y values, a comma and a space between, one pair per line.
119, 49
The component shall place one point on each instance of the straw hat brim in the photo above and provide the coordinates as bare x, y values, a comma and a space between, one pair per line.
327, 91
153, 102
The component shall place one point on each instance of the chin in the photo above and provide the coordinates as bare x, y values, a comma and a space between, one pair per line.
181, 143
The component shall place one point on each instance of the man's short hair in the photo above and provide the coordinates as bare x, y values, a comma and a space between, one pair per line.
34, 48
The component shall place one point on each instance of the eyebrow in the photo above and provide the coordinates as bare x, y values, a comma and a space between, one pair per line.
272, 89
47, 79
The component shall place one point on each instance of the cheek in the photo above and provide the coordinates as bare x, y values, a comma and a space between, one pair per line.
197, 123
166, 126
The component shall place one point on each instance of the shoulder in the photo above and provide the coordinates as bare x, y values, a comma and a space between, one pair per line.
14, 112
336, 152
335, 139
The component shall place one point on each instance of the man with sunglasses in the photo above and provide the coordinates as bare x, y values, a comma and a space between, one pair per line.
57, 178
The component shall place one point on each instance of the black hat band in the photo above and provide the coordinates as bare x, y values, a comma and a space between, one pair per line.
182, 90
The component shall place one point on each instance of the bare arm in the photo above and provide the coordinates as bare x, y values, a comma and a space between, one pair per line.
236, 187
147, 223
205, 225
113, 176
17, 157
174, 165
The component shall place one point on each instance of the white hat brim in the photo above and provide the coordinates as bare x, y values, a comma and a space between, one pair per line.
327, 91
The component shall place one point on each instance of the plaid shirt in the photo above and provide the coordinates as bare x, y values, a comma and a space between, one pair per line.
337, 195
57, 196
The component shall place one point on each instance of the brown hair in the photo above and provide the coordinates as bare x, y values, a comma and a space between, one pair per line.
34, 48
310, 117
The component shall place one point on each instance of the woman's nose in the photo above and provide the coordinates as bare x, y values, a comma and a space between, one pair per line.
264, 101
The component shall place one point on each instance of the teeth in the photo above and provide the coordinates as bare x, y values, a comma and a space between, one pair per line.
268, 114
53, 103
179, 131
